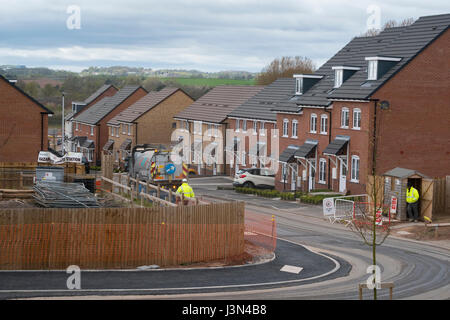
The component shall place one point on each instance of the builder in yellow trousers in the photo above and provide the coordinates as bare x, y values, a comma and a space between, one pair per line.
185, 189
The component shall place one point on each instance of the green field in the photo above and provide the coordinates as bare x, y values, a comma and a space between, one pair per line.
209, 82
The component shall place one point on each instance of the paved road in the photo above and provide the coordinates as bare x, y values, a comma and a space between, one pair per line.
418, 270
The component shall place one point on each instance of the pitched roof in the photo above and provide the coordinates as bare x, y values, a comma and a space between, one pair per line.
101, 109
143, 105
97, 93
218, 103
403, 173
259, 106
406, 44
403, 42
47, 111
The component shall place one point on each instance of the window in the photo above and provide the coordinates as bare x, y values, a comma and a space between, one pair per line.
338, 77
274, 130
344, 118
76, 126
197, 127
355, 169
322, 170
216, 130
237, 125
92, 130
90, 155
117, 131
285, 127
357, 119
313, 123
111, 132
294, 128
124, 131
262, 128
299, 86
255, 127
323, 124
186, 125
209, 130
129, 128
244, 125
243, 158
372, 70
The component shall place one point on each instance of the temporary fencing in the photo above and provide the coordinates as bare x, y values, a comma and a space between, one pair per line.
107, 238
261, 230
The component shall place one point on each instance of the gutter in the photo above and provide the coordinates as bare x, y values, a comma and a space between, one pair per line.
374, 138
330, 187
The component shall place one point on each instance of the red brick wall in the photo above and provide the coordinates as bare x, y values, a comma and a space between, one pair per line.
268, 126
20, 126
360, 142
304, 133
415, 131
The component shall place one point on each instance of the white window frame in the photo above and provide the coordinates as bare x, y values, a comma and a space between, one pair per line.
244, 125
262, 128
313, 123
322, 170
372, 70
129, 129
299, 85
356, 165
92, 130
238, 123
324, 124
216, 130
345, 122
274, 130
255, 127
357, 126
198, 125
77, 126
243, 158
286, 128
210, 133
338, 77
124, 131
294, 129
90, 155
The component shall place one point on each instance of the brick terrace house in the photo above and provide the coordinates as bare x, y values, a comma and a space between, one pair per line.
106, 90
255, 126
147, 121
90, 129
390, 91
206, 125
23, 125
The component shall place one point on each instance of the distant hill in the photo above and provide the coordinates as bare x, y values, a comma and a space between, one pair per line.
167, 73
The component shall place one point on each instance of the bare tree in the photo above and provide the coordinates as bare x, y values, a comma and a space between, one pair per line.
388, 24
285, 67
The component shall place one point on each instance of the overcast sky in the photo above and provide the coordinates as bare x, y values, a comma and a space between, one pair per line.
208, 35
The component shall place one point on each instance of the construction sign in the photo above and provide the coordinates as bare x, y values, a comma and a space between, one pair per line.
153, 169
185, 170
393, 204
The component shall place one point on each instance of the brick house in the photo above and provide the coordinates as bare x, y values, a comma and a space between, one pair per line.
23, 125
107, 90
147, 121
389, 91
205, 124
254, 126
90, 127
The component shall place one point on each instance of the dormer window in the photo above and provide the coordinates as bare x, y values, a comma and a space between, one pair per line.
305, 81
378, 66
342, 73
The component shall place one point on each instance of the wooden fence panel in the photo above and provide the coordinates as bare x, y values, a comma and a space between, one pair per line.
108, 238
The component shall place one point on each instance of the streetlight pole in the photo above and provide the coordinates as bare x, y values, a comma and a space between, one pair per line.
62, 126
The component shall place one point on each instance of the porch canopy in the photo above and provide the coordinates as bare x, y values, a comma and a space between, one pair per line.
108, 145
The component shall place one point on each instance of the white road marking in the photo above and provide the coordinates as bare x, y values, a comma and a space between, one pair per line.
403, 232
291, 269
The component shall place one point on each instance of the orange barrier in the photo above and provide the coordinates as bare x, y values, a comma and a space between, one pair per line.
261, 230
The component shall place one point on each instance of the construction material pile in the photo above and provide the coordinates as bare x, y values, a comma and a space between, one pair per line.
64, 195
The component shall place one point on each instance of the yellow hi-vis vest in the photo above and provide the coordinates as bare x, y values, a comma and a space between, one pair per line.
412, 195
186, 190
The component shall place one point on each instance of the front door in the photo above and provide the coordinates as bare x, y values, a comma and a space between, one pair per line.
343, 176
312, 175
294, 174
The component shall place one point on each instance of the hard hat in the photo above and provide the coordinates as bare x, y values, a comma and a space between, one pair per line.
184, 180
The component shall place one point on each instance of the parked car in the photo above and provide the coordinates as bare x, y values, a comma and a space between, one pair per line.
255, 177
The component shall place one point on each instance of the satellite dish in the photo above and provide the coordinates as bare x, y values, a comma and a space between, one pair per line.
384, 105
